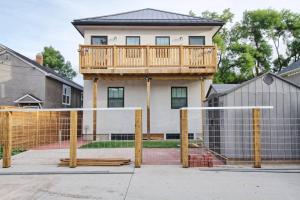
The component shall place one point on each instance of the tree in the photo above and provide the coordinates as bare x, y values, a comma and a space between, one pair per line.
254, 45
54, 59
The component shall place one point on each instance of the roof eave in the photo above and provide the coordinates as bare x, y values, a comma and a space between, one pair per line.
87, 23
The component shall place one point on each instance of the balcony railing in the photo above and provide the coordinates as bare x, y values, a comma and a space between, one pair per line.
147, 59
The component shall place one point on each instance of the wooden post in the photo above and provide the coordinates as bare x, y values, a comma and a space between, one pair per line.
37, 129
256, 138
147, 56
184, 138
148, 108
202, 88
181, 56
73, 139
138, 138
7, 143
114, 56
95, 92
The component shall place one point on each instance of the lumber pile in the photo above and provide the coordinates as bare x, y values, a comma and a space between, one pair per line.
64, 162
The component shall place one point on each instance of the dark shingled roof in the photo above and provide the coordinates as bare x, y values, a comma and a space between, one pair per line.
291, 67
221, 88
43, 68
148, 16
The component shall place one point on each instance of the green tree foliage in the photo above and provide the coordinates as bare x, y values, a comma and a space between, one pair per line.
54, 60
263, 40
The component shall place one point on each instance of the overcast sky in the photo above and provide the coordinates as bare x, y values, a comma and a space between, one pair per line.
29, 25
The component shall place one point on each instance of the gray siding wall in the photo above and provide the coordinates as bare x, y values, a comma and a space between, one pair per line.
280, 127
18, 78
54, 91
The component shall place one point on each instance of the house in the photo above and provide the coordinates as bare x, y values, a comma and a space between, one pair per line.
229, 132
157, 60
292, 72
27, 83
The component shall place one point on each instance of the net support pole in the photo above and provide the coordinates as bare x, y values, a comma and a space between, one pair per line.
7, 145
184, 138
256, 138
73, 139
138, 138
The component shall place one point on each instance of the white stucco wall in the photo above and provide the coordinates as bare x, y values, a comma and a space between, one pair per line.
178, 35
163, 118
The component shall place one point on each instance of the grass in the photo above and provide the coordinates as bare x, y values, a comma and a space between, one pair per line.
130, 144
14, 151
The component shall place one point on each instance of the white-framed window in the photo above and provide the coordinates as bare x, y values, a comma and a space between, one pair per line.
66, 95
81, 99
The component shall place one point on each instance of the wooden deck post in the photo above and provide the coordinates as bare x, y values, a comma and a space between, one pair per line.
138, 138
184, 138
256, 138
202, 99
7, 143
181, 56
95, 92
148, 107
73, 139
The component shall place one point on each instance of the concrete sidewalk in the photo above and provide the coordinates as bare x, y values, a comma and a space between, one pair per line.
154, 182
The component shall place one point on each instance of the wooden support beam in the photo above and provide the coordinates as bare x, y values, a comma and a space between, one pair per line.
181, 56
95, 92
202, 99
256, 138
73, 139
7, 143
138, 138
184, 138
148, 107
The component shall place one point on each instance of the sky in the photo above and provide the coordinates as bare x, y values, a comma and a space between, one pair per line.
29, 25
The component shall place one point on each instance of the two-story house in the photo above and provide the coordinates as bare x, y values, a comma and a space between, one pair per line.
28, 83
160, 61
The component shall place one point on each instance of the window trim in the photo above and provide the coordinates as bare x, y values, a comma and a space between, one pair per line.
67, 95
109, 98
201, 36
133, 36
186, 96
156, 37
95, 36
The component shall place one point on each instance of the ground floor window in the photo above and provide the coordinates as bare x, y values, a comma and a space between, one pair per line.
115, 97
176, 136
179, 97
122, 136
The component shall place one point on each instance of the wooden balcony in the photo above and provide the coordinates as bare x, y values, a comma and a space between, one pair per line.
141, 60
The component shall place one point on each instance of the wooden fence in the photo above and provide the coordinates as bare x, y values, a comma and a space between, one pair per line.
35, 129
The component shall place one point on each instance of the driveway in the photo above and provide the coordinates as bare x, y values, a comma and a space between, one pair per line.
154, 182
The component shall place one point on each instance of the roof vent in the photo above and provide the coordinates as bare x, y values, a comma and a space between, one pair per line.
268, 79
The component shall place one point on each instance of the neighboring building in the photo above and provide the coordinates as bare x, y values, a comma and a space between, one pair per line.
160, 61
292, 72
229, 132
27, 83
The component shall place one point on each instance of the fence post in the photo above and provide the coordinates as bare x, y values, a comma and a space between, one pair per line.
7, 143
138, 138
73, 139
256, 138
184, 138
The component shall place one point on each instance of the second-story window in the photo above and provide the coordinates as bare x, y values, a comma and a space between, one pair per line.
99, 40
132, 40
66, 95
162, 40
196, 40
